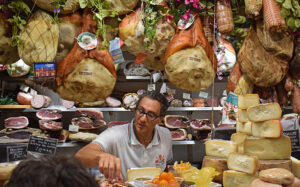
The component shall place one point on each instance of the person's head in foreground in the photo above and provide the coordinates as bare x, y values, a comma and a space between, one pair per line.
59, 171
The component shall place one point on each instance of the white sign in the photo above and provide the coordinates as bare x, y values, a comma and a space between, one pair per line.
163, 88
151, 87
203, 94
186, 96
73, 128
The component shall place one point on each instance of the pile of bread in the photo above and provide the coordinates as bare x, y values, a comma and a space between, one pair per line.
257, 154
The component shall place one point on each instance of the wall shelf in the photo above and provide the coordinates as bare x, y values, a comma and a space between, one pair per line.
121, 109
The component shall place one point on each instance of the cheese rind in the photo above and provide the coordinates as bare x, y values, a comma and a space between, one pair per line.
220, 165
269, 148
242, 162
244, 127
239, 138
220, 148
242, 115
296, 167
268, 129
135, 173
264, 112
247, 100
277, 176
268, 164
260, 183
233, 178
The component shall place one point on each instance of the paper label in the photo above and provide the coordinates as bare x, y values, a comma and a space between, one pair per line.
151, 87
203, 95
33, 92
185, 23
156, 77
73, 128
186, 96
163, 88
87, 41
46, 69
171, 91
115, 51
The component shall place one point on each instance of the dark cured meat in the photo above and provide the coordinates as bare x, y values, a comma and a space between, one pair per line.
282, 94
83, 122
176, 121
86, 122
200, 124
94, 115
296, 99
20, 135
50, 125
179, 134
295, 63
49, 114
16, 122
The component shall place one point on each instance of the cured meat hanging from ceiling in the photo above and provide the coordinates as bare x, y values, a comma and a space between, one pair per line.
86, 76
264, 56
133, 31
40, 39
190, 63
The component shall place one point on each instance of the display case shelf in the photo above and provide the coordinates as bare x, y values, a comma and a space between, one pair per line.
81, 144
121, 109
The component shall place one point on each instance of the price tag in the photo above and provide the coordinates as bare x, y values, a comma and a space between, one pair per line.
33, 92
163, 88
186, 96
224, 93
156, 77
115, 51
42, 145
203, 95
15, 153
171, 91
73, 128
151, 87
24, 88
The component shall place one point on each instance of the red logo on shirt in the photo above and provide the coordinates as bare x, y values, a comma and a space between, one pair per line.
160, 161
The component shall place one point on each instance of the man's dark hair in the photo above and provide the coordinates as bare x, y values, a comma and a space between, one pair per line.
59, 171
158, 97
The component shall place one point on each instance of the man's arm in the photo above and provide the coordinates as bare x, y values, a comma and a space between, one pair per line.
92, 155
89, 155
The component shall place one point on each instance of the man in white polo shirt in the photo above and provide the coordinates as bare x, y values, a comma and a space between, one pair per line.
141, 143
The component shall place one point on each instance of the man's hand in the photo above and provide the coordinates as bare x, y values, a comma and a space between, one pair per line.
110, 166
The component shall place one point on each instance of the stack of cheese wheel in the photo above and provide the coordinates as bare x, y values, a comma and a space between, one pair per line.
259, 141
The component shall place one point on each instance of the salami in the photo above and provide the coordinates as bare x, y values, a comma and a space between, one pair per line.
67, 104
38, 101
47, 101
24, 98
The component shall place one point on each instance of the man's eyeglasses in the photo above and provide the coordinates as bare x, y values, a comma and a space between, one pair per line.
149, 115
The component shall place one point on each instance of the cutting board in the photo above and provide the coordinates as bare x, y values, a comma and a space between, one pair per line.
14, 106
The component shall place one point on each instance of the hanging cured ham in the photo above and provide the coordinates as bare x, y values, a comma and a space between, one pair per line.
40, 39
263, 63
131, 31
86, 76
69, 7
190, 63
239, 83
